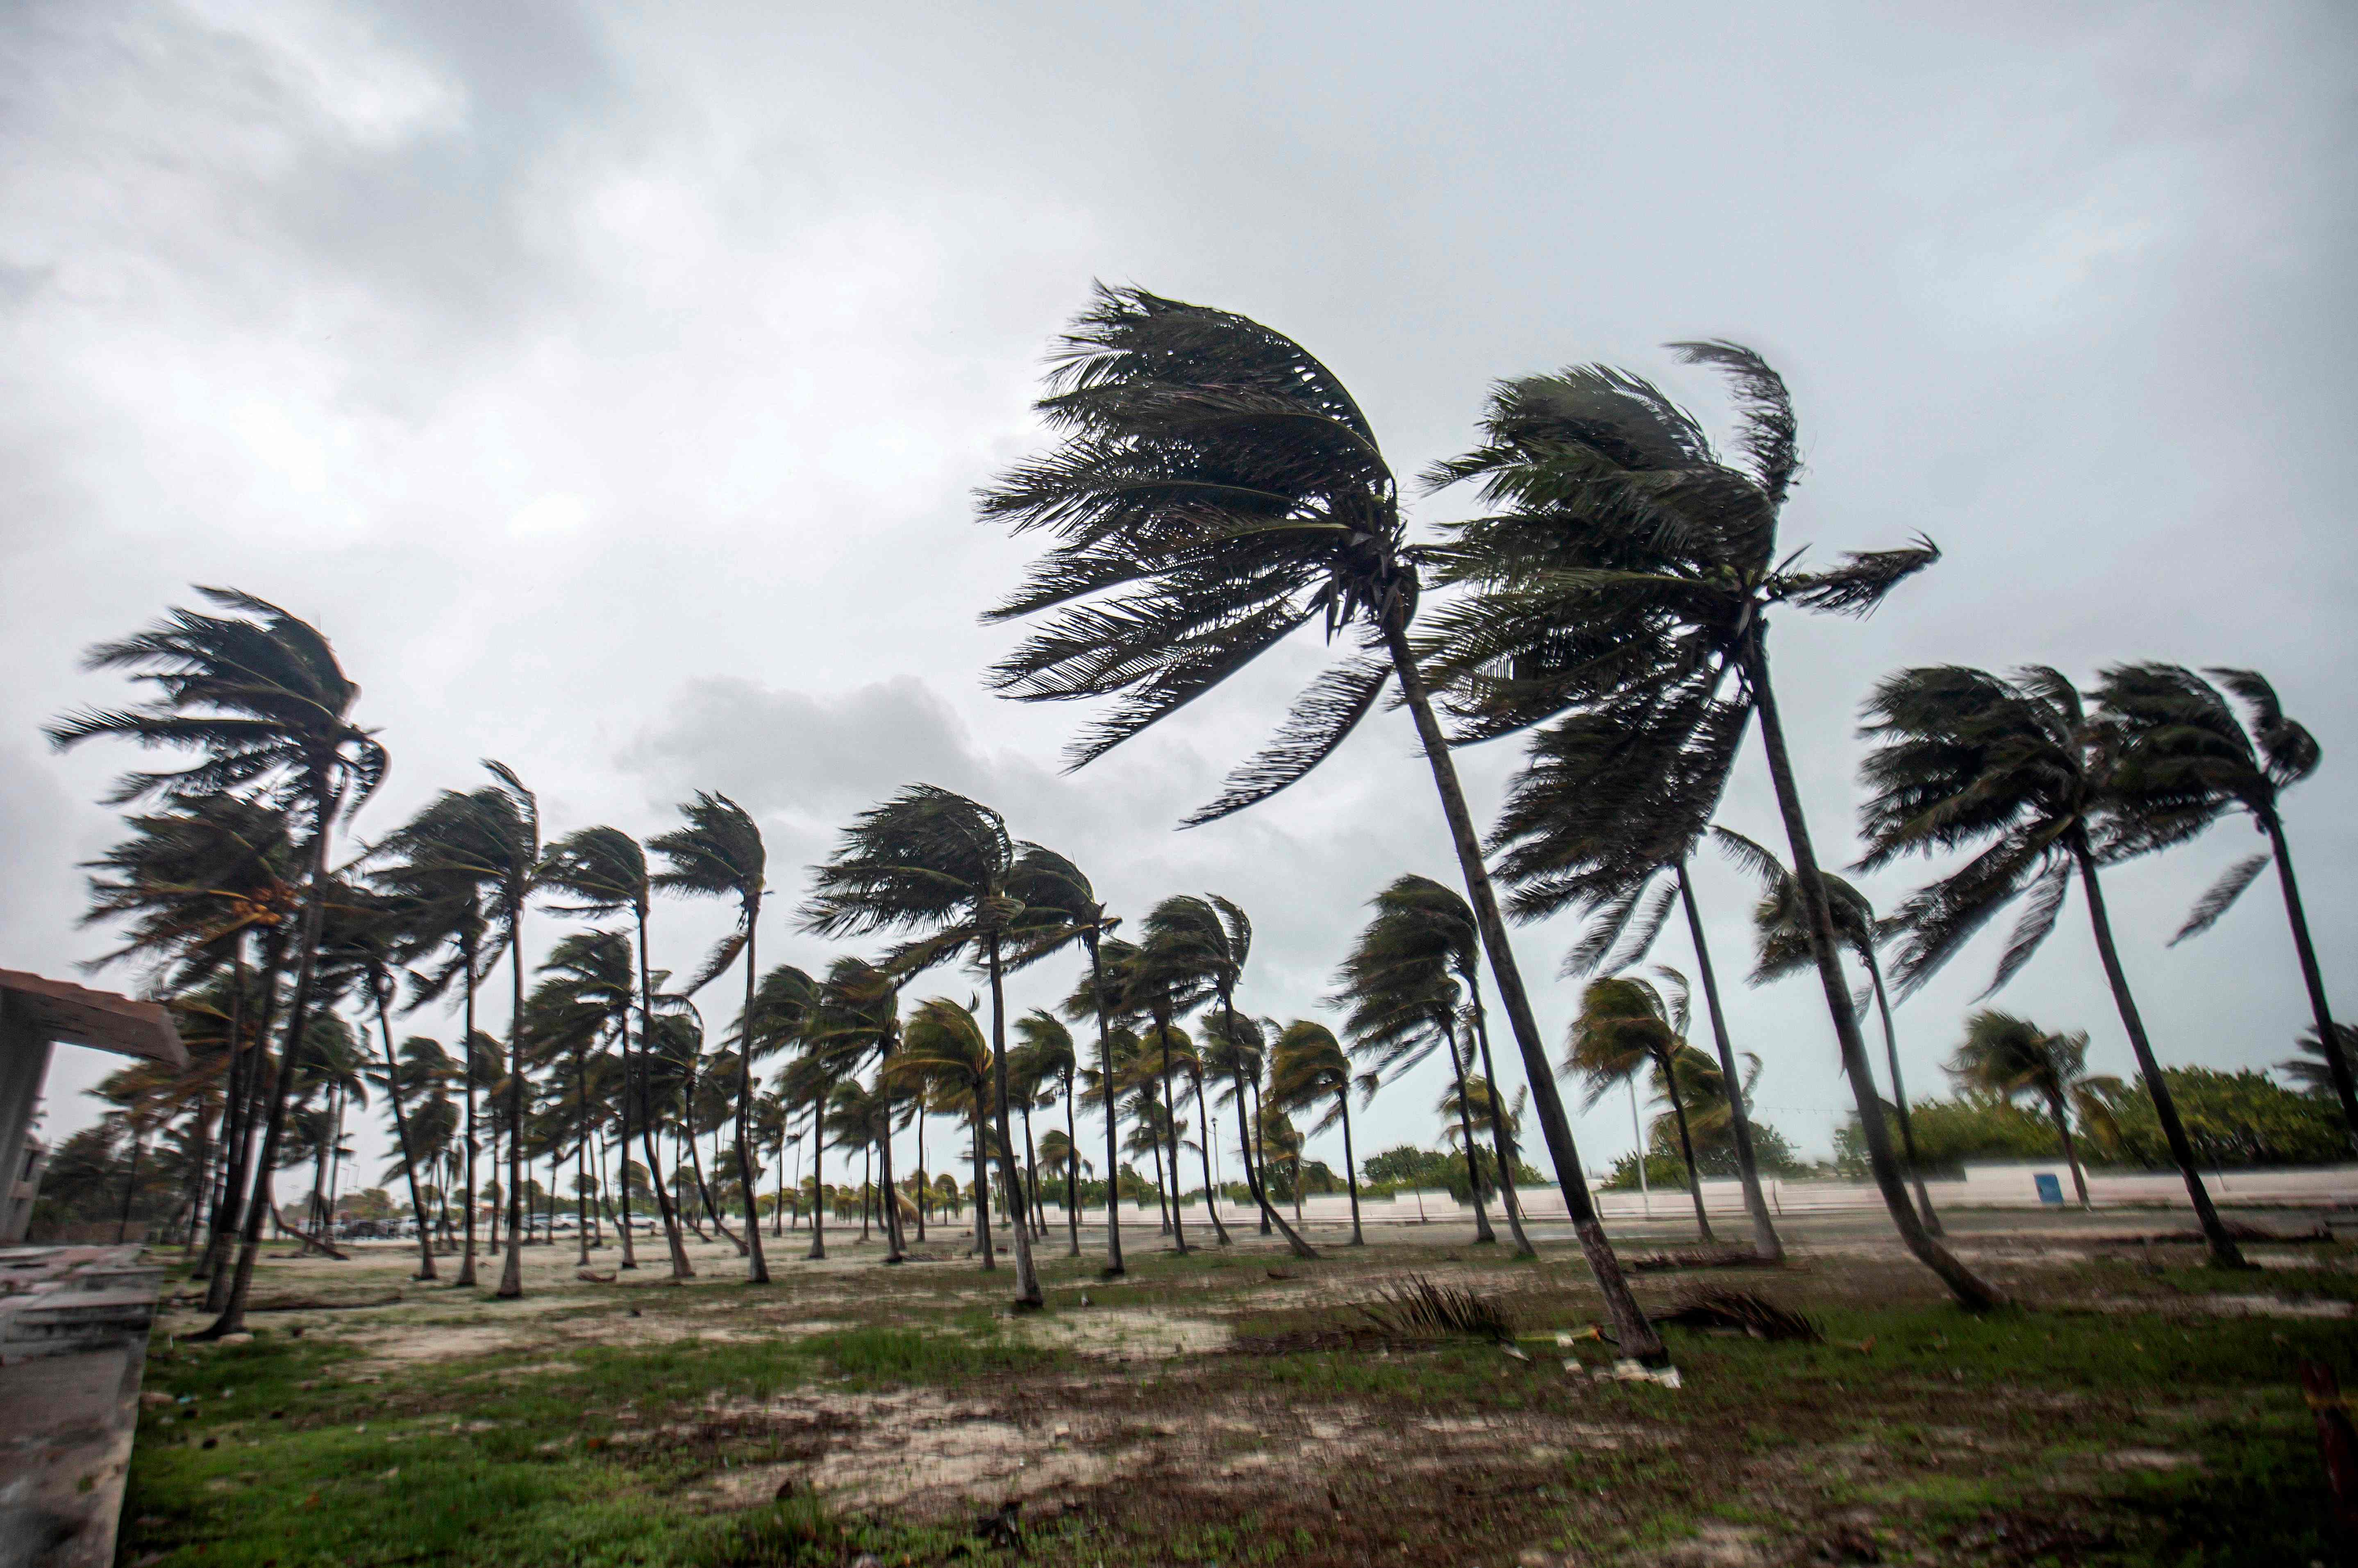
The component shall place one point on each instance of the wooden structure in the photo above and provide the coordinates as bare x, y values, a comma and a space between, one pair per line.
36, 1013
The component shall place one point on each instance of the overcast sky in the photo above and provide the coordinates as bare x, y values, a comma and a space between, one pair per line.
610, 382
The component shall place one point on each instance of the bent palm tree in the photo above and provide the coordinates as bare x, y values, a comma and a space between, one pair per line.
1402, 982
2013, 1057
2186, 756
2313, 1069
1047, 1056
1309, 1066
2019, 770
944, 1057
604, 871
719, 854
259, 696
1626, 1026
1782, 933
1628, 570
1219, 489
857, 1017
932, 861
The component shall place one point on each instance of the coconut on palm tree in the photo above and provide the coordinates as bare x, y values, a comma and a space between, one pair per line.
2013, 1057
2019, 772
1626, 568
1627, 1025
1217, 491
1310, 1069
257, 695
2188, 757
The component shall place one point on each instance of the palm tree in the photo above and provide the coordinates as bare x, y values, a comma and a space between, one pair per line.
782, 1017
1628, 570
2311, 1069
1046, 1057
857, 1017
2187, 757
2013, 1057
935, 861
1310, 1067
1607, 802
2019, 767
1219, 489
1781, 935
719, 854
259, 696
944, 1057
603, 871
1418, 953
192, 884
1625, 1024
372, 948
1201, 946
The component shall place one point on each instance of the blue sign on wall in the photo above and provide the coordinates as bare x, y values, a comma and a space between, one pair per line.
2050, 1188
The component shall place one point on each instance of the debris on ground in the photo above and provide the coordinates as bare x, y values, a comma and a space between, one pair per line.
1418, 1309
1739, 1311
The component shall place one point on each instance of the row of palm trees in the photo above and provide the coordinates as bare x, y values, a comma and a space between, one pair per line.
1213, 490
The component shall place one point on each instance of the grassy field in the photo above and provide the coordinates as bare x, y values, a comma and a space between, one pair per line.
1234, 1407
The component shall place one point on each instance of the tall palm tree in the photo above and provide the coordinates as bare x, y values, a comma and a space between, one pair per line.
603, 871
1201, 946
1782, 947
372, 948
2020, 770
1421, 947
2186, 756
933, 862
1217, 490
1601, 821
2013, 1057
1628, 568
1046, 1053
1309, 1067
856, 1019
781, 1018
1625, 1025
719, 854
192, 885
258, 693
945, 1057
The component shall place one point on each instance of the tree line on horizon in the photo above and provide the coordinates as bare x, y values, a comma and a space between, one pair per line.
1211, 490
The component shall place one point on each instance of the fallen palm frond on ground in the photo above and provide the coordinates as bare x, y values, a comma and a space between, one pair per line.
1738, 1312
1417, 1309
1701, 1258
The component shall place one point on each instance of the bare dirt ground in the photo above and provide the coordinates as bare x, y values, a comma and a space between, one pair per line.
1233, 1403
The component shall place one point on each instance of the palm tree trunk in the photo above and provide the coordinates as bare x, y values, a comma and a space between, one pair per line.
1171, 1130
1027, 1280
1899, 1094
1161, 1187
581, 1161
326, 803
1637, 1339
1968, 1287
818, 1175
511, 1270
229, 1218
233, 1096
981, 1191
1031, 1179
1072, 1169
2337, 1064
2225, 1254
2070, 1149
1249, 1116
1668, 1068
757, 1266
680, 1267
925, 1195
1765, 1241
1113, 1269
1483, 1234
1204, 1147
1350, 1163
401, 1136
1502, 1143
